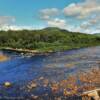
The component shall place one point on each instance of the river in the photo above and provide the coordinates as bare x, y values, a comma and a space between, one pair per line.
19, 70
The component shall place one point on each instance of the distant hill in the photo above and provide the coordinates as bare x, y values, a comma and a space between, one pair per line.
50, 38
97, 34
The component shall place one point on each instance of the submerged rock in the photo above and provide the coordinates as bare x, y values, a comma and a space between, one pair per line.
41, 78
34, 97
7, 84
32, 85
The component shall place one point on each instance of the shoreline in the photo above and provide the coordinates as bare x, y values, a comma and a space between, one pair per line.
26, 51
37, 52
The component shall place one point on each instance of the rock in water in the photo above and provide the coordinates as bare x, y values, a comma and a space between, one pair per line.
7, 84
32, 85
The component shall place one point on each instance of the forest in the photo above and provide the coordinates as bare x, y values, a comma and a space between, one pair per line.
50, 38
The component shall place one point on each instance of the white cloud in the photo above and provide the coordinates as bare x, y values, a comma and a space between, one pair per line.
80, 17
86, 14
49, 12
95, 20
72, 10
83, 9
20, 27
5, 20
7, 23
49, 15
16, 27
61, 23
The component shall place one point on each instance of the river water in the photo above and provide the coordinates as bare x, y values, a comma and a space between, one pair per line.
19, 70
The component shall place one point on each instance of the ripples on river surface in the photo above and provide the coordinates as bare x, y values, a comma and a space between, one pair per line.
57, 66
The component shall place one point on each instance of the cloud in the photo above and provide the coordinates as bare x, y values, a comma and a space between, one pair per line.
83, 9
19, 27
94, 20
78, 17
49, 12
61, 23
50, 16
5, 20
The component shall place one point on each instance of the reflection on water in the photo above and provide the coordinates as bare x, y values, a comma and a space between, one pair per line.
19, 70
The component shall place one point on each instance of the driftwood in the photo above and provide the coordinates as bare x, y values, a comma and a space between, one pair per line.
91, 95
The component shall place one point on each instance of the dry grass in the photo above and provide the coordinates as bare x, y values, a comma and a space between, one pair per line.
3, 58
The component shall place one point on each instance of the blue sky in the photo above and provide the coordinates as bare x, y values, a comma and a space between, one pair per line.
73, 15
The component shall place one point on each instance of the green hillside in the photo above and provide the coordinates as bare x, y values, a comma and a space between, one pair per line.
97, 34
46, 39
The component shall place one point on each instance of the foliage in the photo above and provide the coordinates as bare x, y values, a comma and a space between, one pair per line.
47, 39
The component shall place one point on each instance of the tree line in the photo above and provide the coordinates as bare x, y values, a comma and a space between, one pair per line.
47, 39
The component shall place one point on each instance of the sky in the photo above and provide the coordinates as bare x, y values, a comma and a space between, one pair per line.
73, 15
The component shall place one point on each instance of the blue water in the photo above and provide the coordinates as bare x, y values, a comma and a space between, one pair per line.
19, 70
